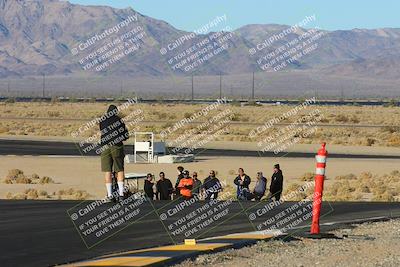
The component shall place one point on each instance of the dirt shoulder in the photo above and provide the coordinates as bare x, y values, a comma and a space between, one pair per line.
370, 244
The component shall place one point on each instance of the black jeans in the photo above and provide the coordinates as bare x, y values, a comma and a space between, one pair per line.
213, 195
276, 195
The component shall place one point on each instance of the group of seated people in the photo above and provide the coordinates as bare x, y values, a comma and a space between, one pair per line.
188, 186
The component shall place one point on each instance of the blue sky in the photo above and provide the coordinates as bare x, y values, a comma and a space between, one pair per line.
331, 14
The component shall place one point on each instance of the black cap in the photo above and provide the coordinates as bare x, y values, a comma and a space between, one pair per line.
186, 173
276, 166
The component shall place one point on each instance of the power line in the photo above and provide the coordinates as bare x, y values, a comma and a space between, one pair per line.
192, 88
44, 85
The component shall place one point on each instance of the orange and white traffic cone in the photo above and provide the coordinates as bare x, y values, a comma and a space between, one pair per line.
319, 187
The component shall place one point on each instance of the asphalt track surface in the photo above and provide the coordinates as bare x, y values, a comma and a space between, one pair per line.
40, 148
41, 233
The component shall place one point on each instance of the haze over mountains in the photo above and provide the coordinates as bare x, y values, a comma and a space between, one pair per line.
37, 37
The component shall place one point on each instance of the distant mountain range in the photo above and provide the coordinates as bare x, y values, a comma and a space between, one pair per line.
39, 37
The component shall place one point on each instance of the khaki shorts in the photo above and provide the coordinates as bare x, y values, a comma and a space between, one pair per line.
113, 157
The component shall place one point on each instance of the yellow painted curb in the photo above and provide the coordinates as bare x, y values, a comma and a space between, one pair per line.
122, 261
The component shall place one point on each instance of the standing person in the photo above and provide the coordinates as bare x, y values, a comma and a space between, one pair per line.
164, 188
185, 185
178, 179
259, 188
275, 189
211, 186
148, 186
196, 185
242, 182
113, 133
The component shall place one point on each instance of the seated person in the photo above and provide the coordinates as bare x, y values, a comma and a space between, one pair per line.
260, 187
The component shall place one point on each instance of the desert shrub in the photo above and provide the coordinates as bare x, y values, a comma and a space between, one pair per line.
346, 177
46, 180
324, 120
163, 116
71, 193
53, 114
17, 176
383, 197
187, 115
354, 119
394, 140
363, 188
43, 193
235, 117
365, 176
341, 118
391, 129
369, 141
20, 196
21, 179
395, 173
13, 173
307, 177
294, 192
31, 193
3, 129
228, 193
7, 180
379, 190
81, 195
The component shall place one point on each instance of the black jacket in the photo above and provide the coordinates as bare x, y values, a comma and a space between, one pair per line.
212, 185
113, 131
246, 181
164, 189
276, 182
148, 189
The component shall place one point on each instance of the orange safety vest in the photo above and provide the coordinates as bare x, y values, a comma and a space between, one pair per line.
186, 192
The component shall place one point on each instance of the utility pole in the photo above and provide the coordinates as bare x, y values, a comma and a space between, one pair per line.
252, 89
44, 84
342, 95
220, 86
8, 87
192, 88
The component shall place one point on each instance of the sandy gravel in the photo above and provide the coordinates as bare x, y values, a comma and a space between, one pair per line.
371, 244
83, 173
